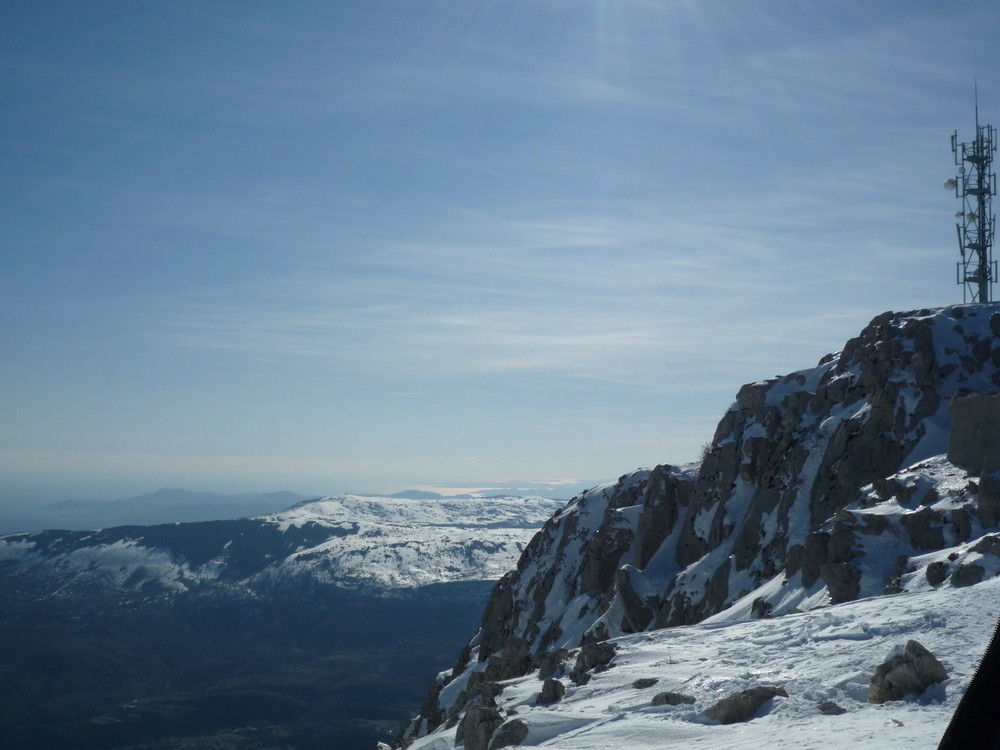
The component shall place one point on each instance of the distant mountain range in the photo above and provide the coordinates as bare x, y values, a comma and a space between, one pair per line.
184, 506
312, 627
163, 506
351, 542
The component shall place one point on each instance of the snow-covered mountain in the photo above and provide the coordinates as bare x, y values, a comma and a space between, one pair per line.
310, 628
868, 478
349, 542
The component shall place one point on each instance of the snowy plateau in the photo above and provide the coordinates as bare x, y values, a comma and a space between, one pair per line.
843, 516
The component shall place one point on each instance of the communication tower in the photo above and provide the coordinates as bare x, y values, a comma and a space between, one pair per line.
975, 186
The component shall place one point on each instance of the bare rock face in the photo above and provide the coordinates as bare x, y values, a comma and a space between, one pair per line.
513, 660
924, 529
988, 501
477, 727
744, 705
639, 607
975, 432
843, 581
552, 692
510, 734
908, 669
593, 657
552, 662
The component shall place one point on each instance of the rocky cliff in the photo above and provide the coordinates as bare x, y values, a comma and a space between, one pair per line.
819, 487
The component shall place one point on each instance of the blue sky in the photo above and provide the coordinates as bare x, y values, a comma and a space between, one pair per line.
364, 246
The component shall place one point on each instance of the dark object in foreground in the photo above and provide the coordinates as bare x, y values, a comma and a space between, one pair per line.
975, 724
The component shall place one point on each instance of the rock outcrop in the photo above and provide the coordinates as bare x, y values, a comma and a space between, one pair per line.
831, 708
819, 487
668, 698
975, 432
908, 669
510, 734
477, 727
742, 706
552, 691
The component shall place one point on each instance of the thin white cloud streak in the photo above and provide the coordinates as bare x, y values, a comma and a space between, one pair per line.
580, 298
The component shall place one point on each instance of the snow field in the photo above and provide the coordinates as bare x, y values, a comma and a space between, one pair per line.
825, 654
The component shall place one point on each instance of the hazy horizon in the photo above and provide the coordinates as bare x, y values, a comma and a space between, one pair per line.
558, 489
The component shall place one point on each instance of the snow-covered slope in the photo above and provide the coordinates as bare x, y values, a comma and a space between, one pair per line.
869, 475
826, 654
350, 541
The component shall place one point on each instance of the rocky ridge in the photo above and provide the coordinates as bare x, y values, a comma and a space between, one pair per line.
867, 475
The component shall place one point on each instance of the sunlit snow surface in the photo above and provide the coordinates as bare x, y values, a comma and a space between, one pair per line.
375, 542
402, 543
826, 654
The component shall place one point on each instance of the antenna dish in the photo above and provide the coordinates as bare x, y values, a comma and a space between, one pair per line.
951, 185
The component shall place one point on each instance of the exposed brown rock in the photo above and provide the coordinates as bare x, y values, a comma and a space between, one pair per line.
744, 705
908, 669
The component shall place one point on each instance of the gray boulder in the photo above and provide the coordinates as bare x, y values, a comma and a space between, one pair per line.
552, 691
908, 669
761, 608
924, 528
744, 705
477, 727
671, 699
594, 657
510, 734
936, 573
829, 708
967, 575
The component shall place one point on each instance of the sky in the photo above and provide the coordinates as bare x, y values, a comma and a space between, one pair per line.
371, 245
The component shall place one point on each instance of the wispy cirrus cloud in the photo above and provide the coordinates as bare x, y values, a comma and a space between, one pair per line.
579, 297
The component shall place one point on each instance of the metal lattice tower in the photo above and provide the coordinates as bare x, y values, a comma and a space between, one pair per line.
975, 186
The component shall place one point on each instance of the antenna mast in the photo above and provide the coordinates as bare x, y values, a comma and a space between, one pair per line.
975, 185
